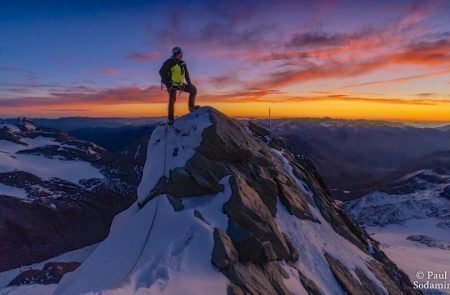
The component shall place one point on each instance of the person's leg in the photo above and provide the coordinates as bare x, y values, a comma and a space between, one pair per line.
192, 90
172, 99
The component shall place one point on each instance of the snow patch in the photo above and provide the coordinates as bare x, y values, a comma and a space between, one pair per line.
411, 256
13, 191
181, 141
176, 259
312, 240
293, 283
43, 167
73, 256
29, 290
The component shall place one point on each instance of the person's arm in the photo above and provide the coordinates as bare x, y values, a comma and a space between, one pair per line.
188, 79
164, 72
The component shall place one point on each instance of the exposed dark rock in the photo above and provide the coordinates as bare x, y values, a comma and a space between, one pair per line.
445, 193
258, 130
289, 195
430, 242
176, 203
292, 250
224, 253
9, 136
199, 215
232, 289
348, 281
263, 238
63, 152
265, 279
227, 148
51, 273
309, 285
394, 280
182, 183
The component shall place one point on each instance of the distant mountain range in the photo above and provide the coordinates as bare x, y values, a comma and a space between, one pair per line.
408, 212
352, 154
73, 123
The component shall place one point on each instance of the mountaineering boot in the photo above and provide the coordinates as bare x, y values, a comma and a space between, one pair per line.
170, 122
193, 108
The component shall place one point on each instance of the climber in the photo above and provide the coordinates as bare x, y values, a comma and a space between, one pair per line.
173, 73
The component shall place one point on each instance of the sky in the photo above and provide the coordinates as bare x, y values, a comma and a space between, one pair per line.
383, 59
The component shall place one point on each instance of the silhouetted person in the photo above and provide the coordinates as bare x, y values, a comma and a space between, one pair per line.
173, 74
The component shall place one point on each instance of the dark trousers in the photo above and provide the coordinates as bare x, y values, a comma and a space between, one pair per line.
189, 88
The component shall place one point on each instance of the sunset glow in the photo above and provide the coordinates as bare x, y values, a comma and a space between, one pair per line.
386, 60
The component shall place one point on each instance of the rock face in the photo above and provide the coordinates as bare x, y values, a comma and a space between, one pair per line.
265, 172
57, 193
224, 253
51, 273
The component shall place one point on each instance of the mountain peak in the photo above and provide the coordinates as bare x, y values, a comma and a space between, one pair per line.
26, 124
223, 208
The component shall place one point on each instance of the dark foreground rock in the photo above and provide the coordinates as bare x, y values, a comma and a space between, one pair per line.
51, 273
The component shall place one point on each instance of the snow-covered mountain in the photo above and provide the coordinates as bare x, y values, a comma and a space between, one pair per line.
57, 193
223, 208
410, 215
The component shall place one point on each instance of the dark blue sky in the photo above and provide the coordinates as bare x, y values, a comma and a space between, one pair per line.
58, 57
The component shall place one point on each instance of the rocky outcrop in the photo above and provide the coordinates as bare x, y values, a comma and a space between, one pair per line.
349, 283
252, 228
224, 253
227, 148
51, 273
261, 279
